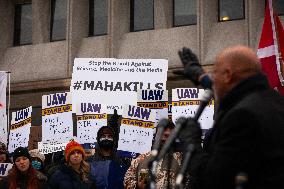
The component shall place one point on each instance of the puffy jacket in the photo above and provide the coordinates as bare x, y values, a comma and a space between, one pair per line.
66, 178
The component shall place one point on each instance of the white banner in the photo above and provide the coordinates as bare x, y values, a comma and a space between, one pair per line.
185, 103
4, 168
90, 118
3, 129
154, 99
20, 129
57, 122
3, 115
48, 147
114, 82
136, 130
3, 86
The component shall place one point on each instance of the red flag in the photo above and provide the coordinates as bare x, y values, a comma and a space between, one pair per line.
270, 46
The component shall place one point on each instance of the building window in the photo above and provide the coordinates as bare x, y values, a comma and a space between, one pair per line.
231, 10
184, 12
142, 15
58, 20
279, 6
98, 14
23, 24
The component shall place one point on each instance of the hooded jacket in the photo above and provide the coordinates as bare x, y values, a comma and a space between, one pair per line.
107, 171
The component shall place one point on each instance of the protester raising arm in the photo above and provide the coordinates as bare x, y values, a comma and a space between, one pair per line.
192, 69
248, 133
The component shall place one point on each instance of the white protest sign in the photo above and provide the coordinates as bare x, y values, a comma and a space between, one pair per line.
90, 118
114, 82
20, 129
48, 147
3, 129
136, 130
154, 99
185, 103
4, 168
57, 122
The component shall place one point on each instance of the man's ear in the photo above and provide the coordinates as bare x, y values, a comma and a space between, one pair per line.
228, 76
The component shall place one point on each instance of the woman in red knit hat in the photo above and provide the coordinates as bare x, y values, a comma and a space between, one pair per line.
75, 173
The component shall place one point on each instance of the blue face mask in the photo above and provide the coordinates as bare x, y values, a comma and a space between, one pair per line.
37, 165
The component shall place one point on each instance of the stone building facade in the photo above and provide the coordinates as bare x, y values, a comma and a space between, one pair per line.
45, 67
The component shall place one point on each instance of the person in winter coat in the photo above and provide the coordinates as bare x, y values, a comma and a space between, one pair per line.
4, 155
75, 173
55, 161
107, 170
137, 175
23, 175
37, 159
247, 139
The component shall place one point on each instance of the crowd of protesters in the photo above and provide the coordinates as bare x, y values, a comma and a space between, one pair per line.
247, 137
103, 170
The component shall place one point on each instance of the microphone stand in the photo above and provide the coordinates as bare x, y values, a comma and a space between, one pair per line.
179, 124
152, 165
156, 157
152, 174
189, 150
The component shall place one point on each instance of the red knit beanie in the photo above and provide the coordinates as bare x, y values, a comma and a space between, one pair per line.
71, 146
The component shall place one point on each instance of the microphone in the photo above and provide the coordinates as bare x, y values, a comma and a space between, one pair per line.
205, 99
179, 124
182, 120
163, 123
187, 156
160, 130
158, 156
190, 148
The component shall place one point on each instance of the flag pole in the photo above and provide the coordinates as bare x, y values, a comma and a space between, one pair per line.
8, 110
278, 45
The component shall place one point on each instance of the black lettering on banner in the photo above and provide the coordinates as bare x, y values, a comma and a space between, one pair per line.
110, 86
115, 86
135, 85
3, 168
99, 86
89, 85
127, 86
118, 87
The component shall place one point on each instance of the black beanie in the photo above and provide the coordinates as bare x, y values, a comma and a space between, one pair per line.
20, 151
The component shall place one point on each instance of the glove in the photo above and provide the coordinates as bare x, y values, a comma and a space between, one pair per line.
113, 122
191, 132
192, 68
